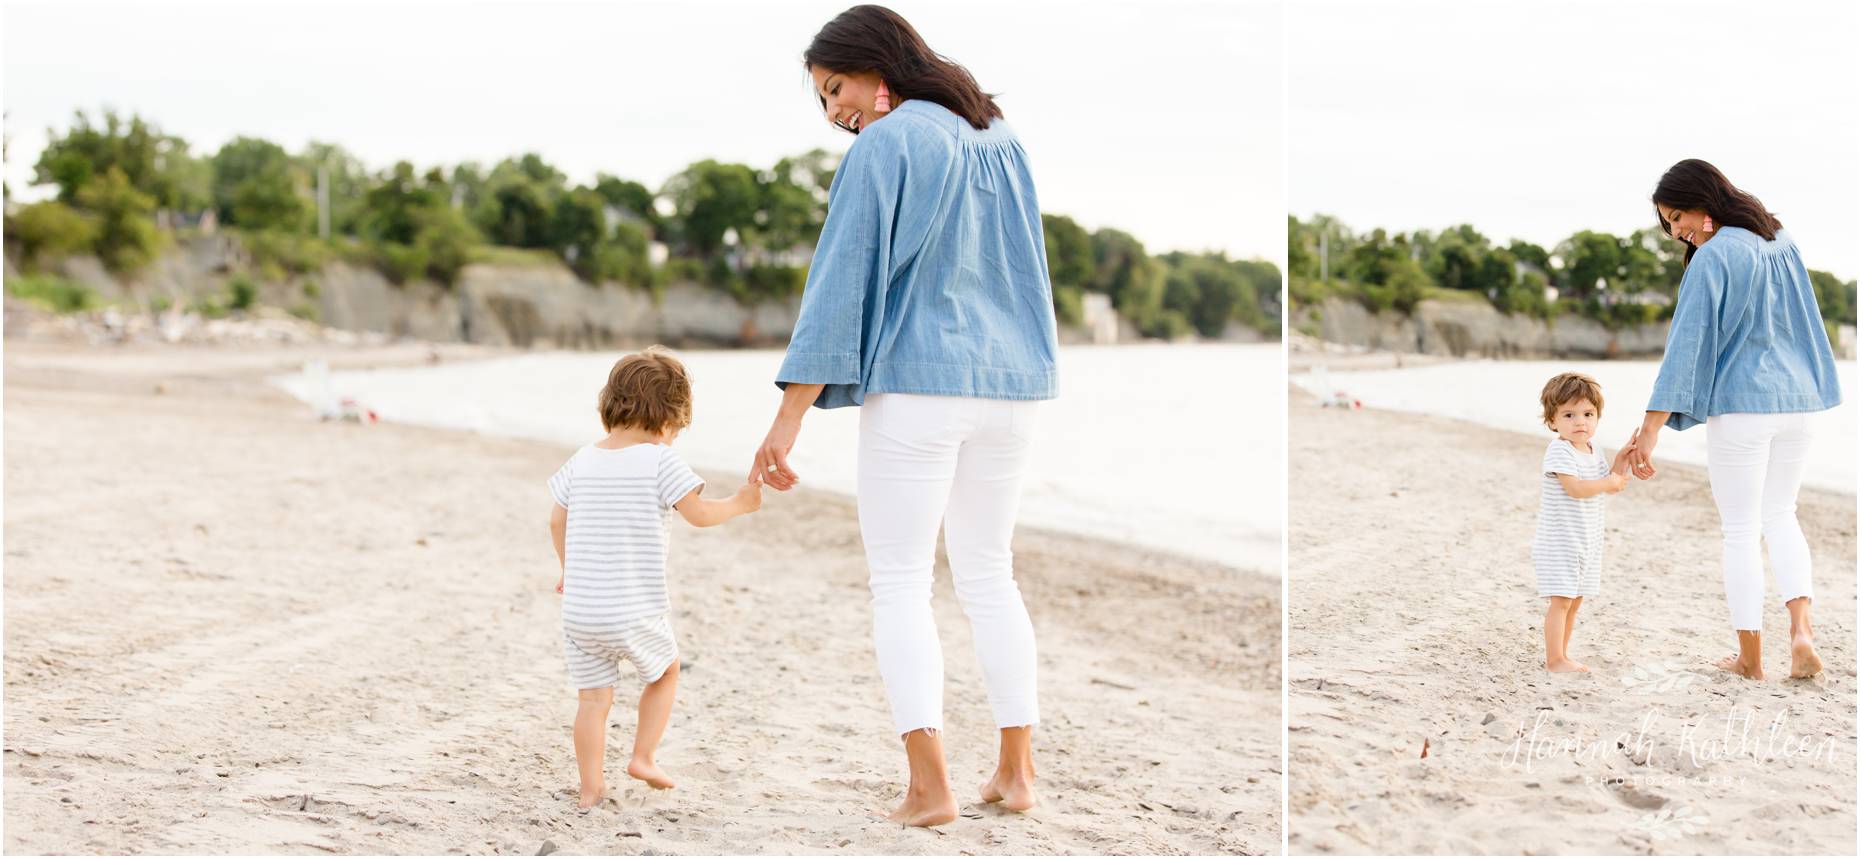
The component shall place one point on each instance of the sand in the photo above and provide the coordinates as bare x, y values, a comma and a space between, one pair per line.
1415, 625
231, 628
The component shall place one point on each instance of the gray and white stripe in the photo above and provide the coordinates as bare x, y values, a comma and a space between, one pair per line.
614, 599
1567, 551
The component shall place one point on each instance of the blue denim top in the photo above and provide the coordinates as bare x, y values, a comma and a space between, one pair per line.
1747, 336
930, 275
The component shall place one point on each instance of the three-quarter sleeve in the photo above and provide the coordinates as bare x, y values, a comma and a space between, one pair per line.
845, 294
1689, 369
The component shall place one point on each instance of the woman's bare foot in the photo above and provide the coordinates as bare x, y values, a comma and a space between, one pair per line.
1565, 666
590, 800
1014, 793
1736, 666
649, 772
1804, 662
933, 810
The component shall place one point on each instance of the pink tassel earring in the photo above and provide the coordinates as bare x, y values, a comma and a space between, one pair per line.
883, 104
1708, 223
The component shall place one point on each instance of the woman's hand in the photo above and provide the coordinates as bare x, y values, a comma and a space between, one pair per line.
1624, 458
771, 464
1645, 439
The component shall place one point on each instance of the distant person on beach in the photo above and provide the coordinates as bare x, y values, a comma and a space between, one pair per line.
1576, 477
613, 502
1746, 356
928, 307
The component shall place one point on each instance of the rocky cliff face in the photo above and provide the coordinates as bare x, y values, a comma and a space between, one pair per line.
503, 305
1475, 331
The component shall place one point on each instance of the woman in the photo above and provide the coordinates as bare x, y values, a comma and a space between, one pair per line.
927, 306
1747, 356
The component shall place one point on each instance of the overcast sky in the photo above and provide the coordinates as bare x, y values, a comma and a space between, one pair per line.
1159, 119
1535, 120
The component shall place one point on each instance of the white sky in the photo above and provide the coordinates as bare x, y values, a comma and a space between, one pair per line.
1534, 120
1159, 119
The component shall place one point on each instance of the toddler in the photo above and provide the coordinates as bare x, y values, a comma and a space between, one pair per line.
613, 503
1575, 476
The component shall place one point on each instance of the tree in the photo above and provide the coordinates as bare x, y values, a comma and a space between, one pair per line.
126, 238
1836, 299
516, 203
348, 183
1588, 258
626, 196
1068, 251
256, 185
577, 226
1456, 259
394, 209
49, 229
709, 200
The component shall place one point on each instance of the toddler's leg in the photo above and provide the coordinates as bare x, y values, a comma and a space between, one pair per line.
655, 711
1556, 636
591, 743
1569, 627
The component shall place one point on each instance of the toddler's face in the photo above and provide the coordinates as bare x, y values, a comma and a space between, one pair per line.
1575, 421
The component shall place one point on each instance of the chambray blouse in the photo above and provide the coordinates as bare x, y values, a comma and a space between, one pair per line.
1747, 335
930, 275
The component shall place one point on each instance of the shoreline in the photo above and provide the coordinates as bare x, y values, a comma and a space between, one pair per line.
536, 397
329, 636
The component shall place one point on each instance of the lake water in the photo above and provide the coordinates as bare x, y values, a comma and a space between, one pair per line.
1503, 394
1177, 447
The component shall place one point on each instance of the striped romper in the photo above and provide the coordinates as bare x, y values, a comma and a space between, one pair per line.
614, 605
1567, 551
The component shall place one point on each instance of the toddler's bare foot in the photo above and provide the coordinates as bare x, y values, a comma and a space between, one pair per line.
1565, 666
933, 810
1735, 665
649, 772
592, 799
1804, 662
1015, 793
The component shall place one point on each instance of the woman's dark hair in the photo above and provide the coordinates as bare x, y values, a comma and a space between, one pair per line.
1695, 184
876, 39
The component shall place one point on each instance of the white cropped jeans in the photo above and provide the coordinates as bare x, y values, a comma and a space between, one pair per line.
958, 462
1756, 463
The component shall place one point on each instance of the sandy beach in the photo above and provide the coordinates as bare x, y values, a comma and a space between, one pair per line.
1422, 721
231, 628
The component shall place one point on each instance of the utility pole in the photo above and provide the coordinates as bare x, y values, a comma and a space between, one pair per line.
322, 201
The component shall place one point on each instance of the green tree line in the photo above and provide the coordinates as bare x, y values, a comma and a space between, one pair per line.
1617, 280
734, 227
1170, 295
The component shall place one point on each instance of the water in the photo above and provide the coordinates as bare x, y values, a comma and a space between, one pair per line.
1176, 447
1503, 394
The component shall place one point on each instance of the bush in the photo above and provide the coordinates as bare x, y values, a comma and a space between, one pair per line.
305, 310
765, 282
50, 229
1069, 305
401, 263
52, 293
126, 235
243, 293
286, 252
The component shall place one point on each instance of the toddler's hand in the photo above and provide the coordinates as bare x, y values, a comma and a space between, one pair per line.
750, 496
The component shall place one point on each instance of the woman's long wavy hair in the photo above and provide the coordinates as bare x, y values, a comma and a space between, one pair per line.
1695, 184
876, 39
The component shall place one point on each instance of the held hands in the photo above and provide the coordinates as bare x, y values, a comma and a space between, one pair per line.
1642, 458
1624, 461
748, 498
771, 465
